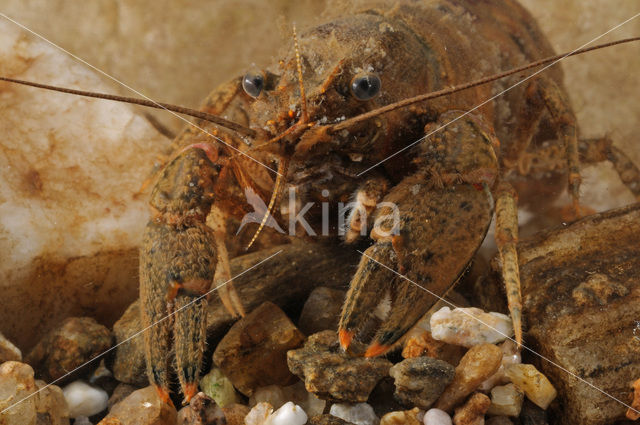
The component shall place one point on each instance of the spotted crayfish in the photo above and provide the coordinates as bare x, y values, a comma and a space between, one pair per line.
422, 107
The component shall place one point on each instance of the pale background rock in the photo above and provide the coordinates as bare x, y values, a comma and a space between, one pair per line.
177, 51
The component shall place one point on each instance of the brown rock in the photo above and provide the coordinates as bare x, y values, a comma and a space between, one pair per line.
321, 311
129, 364
328, 420
420, 381
119, 393
142, 407
423, 344
408, 417
8, 351
253, 353
74, 342
16, 384
235, 414
51, 406
331, 374
479, 363
472, 412
581, 298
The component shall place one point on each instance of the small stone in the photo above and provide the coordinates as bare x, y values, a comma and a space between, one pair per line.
202, 410
480, 362
84, 400
420, 381
73, 343
129, 365
321, 311
258, 414
499, 420
635, 414
234, 414
16, 384
470, 326
288, 414
51, 404
333, 375
143, 407
510, 355
423, 344
506, 400
473, 411
8, 351
534, 384
121, 392
218, 387
358, 414
436, 417
408, 417
272, 394
253, 353
327, 420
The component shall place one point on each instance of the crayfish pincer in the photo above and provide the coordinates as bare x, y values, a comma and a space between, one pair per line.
177, 264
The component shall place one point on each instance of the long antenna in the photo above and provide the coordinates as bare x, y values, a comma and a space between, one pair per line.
444, 92
142, 102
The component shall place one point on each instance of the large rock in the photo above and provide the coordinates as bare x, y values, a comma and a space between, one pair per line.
254, 351
142, 407
581, 293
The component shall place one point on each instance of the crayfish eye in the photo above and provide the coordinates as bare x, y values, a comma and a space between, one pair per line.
366, 86
253, 83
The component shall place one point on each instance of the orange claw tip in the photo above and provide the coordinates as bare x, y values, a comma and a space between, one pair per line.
376, 349
345, 338
190, 389
164, 395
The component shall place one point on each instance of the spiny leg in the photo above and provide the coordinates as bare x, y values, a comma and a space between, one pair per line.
190, 332
565, 124
506, 239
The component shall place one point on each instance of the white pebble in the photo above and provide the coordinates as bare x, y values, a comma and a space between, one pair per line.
358, 414
436, 417
84, 400
470, 326
288, 414
259, 414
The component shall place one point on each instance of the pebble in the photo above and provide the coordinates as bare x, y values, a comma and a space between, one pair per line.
327, 420
329, 373
436, 417
473, 411
121, 392
217, 386
253, 353
142, 407
510, 355
258, 414
51, 406
408, 417
358, 414
506, 400
423, 344
75, 341
202, 410
480, 362
470, 326
534, 384
84, 399
129, 364
235, 414
322, 310
419, 381
277, 396
17, 383
8, 351
288, 414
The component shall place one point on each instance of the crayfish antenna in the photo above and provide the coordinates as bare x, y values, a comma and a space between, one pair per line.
303, 98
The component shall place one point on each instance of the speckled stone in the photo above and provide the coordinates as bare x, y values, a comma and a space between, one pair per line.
421, 380
331, 374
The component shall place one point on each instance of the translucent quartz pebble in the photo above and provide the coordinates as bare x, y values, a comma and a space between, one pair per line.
534, 384
506, 400
259, 414
288, 414
217, 386
358, 414
436, 417
510, 355
470, 326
